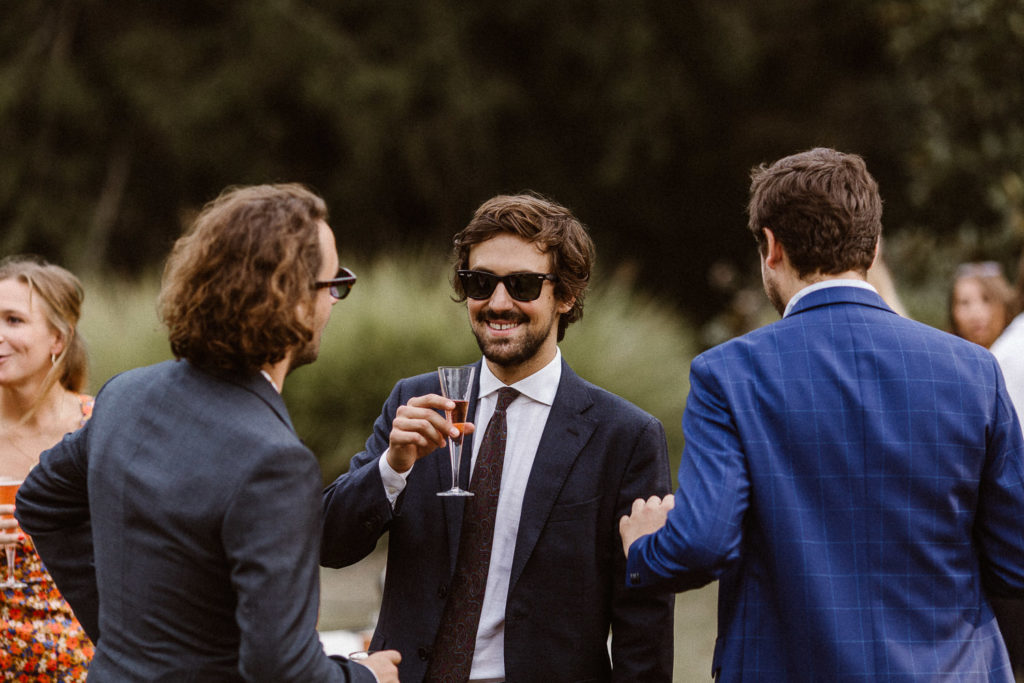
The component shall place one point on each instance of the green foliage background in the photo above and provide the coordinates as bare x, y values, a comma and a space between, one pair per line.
400, 320
119, 119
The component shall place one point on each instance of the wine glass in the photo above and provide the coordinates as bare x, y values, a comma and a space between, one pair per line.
456, 384
8, 490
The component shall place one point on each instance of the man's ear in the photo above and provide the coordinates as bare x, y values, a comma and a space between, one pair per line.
305, 311
774, 253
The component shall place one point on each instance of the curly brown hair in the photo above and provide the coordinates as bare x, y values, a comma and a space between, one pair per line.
823, 207
235, 285
539, 220
61, 294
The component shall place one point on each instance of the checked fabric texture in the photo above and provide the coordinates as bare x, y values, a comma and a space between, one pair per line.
456, 636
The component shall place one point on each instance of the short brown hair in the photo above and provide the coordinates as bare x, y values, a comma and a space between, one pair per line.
823, 207
551, 227
234, 284
61, 294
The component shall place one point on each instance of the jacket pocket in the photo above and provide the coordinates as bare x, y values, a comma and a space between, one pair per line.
562, 512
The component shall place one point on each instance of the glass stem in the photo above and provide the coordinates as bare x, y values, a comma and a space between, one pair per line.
9, 549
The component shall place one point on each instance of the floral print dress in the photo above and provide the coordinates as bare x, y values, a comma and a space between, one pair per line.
40, 639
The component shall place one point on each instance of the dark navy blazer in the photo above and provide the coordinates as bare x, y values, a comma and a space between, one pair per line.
597, 454
204, 511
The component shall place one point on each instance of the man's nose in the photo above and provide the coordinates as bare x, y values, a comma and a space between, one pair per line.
500, 298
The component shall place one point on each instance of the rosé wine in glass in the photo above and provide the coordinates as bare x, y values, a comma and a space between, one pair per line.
8, 491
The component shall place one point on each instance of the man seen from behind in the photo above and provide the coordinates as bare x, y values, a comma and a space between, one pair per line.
853, 478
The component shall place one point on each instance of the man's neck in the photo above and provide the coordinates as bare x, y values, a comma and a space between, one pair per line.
514, 373
276, 373
802, 282
793, 283
809, 285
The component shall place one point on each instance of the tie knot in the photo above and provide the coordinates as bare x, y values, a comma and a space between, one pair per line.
505, 396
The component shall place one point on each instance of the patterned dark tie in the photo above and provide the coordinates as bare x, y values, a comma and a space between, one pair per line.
456, 637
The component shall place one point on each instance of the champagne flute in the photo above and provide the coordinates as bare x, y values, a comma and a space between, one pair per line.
8, 490
456, 384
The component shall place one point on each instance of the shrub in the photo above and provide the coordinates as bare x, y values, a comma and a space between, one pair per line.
400, 320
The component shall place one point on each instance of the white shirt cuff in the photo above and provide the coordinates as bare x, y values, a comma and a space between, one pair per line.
394, 482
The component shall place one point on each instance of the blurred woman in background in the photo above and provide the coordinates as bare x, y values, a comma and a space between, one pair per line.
1009, 351
42, 375
981, 305
980, 302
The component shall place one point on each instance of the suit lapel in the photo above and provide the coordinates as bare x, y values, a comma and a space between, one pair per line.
565, 435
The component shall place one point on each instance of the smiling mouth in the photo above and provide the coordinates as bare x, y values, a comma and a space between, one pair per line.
503, 322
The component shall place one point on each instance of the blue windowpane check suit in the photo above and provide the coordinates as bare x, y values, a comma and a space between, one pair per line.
855, 480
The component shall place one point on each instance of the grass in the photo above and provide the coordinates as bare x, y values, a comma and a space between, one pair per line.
120, 327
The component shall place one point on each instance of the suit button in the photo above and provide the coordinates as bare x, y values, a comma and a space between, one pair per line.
423, 653
442, 592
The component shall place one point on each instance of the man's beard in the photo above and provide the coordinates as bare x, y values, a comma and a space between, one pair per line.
509, 353
305, 354
772, 290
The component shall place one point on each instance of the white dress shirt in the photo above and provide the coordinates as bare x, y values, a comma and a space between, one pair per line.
525, 418
1009, 351
825, 284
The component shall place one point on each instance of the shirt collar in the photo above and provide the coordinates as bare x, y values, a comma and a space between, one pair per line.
541, 386
825, 284
267, 376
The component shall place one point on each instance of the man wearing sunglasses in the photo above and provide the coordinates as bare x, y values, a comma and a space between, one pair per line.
533, 597
181, 523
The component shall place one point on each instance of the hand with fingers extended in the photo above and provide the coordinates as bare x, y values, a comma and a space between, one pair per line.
419, 429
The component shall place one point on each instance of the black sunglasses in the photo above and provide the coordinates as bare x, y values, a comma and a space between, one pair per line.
520, 286
340, 285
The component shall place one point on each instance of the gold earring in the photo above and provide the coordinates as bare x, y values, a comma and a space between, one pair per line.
53, 359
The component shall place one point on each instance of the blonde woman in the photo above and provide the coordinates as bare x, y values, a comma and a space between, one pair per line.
42, 374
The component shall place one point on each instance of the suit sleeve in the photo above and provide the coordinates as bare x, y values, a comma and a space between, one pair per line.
998, 528
53, 508
356, 511
702, 535
270, 532
642, 619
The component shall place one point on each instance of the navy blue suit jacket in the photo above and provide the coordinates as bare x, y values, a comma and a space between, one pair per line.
856, 481
201, 509
597, 454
